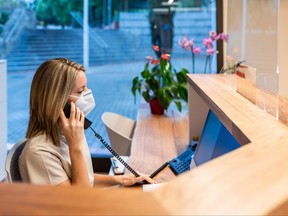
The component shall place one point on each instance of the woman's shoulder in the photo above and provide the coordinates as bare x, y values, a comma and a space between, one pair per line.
39, 140
40, 143
41, 147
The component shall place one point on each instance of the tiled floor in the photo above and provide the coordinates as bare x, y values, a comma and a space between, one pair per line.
111, 89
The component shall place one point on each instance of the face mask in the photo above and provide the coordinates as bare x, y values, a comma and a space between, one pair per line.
85, 102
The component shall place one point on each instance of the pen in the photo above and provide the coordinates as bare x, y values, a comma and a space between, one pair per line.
159, 169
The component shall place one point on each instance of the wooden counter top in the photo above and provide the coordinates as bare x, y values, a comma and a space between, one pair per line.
251, 180
25, 199
158, 139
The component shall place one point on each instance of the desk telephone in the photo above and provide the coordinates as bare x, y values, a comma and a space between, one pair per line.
182, 163
178, 165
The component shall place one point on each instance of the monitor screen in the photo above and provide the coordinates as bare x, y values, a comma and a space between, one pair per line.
215, 140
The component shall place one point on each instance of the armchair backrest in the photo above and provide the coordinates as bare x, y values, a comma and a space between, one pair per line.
12, 165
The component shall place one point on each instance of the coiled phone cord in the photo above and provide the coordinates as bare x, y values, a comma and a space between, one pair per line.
114, 153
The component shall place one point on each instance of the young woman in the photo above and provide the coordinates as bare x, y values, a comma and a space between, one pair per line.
57, 152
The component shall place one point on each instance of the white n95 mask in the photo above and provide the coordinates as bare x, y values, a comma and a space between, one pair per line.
85, 102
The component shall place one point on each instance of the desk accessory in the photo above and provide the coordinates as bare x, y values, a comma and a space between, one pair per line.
182, 163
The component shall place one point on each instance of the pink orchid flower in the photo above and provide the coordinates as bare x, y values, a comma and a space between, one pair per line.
223, 36
196, 50
210, 51
185, 43
213, 35
208, 42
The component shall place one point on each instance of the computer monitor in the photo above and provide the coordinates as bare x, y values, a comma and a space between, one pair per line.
215, 140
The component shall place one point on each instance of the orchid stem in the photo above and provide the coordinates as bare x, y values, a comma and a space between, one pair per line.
210, 62
193, 63
206, 64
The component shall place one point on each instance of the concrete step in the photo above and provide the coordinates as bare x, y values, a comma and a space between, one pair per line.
37, 45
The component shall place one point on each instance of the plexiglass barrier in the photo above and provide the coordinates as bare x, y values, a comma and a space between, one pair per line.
253, 41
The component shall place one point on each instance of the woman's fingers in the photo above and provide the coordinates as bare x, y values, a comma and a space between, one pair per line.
145, 177
72, 110
76, 117
129, 180
82, 117
77, 113
63, 118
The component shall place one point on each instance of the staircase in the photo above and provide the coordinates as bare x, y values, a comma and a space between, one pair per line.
132, 42
37, 45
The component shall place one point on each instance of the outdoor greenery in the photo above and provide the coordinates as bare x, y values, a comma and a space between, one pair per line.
4, 16
57, 11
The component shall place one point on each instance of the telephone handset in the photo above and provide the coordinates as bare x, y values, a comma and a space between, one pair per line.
67, 107
87, 124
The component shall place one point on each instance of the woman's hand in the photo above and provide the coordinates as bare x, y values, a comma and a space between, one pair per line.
73, 127
130, 179
73, 130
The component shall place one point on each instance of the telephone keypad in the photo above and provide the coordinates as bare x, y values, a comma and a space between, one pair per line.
182, 163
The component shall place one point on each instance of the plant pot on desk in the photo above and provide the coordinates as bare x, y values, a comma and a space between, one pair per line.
155, 107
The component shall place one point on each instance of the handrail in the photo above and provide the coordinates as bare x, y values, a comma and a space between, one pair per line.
76, 16
13, 25
10, 30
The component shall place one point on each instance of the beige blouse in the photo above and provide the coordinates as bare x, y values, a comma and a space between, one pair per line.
41, 162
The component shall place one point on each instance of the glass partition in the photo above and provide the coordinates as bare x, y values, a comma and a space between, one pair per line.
253, 29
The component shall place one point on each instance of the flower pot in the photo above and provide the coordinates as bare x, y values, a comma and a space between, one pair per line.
156, 107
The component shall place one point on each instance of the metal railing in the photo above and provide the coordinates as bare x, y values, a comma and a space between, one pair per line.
11, 30
78, 18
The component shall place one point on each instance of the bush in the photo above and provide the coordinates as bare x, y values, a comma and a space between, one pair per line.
4, 17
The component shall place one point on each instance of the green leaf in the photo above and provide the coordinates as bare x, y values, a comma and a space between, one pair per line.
178, 105
134, 85
182, 76
146, 96
153, 84
164, 98
183, 92
135, 80
146, 74
146, 66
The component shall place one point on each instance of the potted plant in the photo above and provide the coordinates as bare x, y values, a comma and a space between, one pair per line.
160, 84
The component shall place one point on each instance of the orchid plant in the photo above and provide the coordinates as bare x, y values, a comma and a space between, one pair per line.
208, 43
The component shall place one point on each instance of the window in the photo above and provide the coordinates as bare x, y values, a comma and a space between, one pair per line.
121, 36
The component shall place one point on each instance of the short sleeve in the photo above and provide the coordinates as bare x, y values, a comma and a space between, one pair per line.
44, 167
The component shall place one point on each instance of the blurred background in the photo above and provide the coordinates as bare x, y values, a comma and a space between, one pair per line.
121, 35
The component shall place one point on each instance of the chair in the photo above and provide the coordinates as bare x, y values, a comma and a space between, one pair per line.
12, 166
120, 132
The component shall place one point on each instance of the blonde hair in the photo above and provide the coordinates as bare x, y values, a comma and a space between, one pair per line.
51, 86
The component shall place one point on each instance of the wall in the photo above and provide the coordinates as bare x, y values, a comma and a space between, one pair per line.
282, 48
3, 117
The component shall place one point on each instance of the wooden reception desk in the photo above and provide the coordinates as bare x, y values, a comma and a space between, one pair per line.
250, 180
